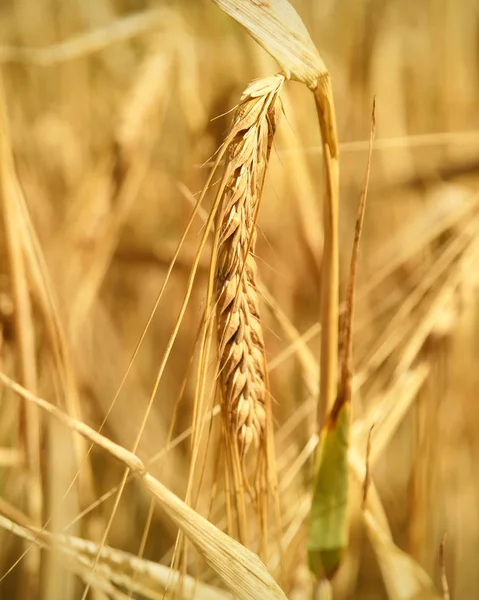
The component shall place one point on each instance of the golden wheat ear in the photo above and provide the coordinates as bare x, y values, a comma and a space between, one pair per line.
240, 333
242, 376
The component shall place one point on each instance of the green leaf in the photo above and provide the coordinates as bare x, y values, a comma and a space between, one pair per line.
328, 533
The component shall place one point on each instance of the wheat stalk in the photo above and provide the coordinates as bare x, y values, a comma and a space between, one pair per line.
240, 334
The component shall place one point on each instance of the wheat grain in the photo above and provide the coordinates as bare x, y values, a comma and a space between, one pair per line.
240, 334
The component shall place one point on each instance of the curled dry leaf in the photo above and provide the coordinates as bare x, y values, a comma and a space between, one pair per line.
278, 28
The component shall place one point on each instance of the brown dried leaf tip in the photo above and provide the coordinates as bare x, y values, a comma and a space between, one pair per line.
240, 333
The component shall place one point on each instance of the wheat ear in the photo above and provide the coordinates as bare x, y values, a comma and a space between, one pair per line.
240, 333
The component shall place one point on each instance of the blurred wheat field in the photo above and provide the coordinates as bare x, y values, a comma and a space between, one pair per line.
111, 113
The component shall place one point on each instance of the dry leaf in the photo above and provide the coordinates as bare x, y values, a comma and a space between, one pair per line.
278, 28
